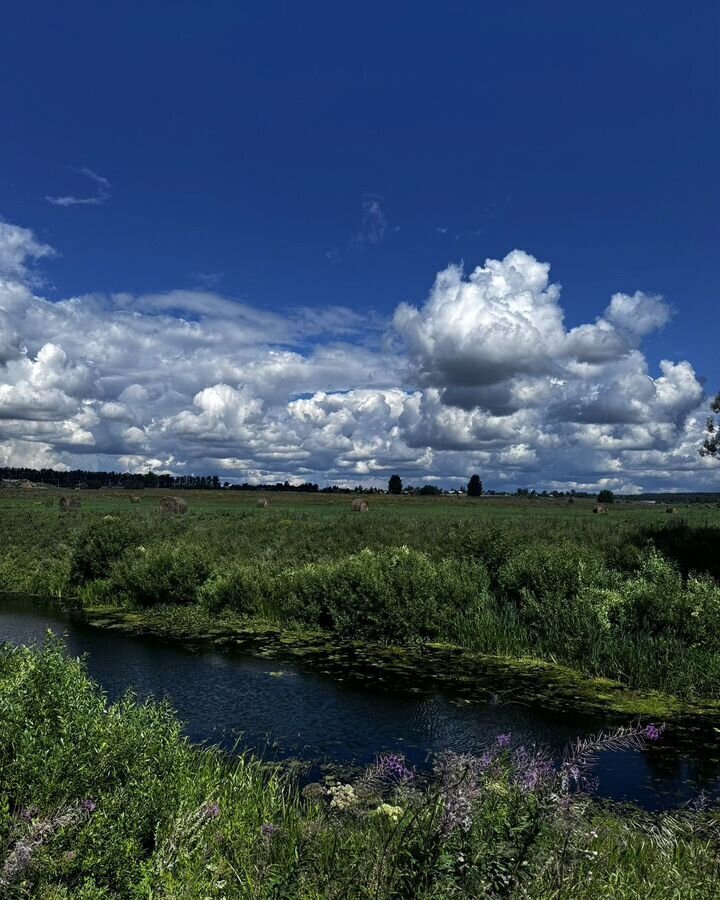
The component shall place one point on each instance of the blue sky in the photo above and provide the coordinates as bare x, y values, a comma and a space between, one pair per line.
322, 155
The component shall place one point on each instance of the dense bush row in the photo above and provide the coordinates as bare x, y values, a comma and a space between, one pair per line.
103, 801
615, 607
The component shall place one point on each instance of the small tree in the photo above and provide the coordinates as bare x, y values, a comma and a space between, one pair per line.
395, 485
606, 496
711, 447
475, 487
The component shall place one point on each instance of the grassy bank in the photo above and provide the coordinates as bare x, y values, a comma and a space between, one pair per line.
632, 596
100, 801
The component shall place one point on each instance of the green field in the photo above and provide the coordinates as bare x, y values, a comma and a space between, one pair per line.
632, 595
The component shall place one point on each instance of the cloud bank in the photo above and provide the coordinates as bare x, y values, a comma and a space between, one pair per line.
483, 376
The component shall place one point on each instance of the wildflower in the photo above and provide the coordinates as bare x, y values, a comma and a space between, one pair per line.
653, 733
393, 813
343, 796
89, 806
28, 813
393, 767
503, 740
536, 776
268, 829
210, 811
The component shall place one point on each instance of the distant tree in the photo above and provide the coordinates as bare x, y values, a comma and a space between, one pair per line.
606, 496
711, 447
475, 487
395, 485
429, 490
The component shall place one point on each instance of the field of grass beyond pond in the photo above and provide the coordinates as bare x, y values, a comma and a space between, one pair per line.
632, 595
102, 801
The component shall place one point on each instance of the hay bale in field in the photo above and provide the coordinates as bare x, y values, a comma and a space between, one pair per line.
671, 510
263, 503
134, 499
360, 506
600, 508
69, 504
173, 506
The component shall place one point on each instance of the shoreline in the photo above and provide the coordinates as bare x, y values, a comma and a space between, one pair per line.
470, 676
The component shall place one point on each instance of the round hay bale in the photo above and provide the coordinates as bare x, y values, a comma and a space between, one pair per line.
134, 499
360, 506
671, 510
600, 508
173, 506
263, 503
69, 504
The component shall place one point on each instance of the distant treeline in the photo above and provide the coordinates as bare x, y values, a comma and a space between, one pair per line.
83, 478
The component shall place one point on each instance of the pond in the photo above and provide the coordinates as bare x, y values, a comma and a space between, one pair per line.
285, 711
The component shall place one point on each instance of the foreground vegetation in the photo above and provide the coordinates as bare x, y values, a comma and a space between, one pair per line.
631, 596
110, 801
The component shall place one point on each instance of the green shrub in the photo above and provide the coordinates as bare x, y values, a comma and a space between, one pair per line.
397, 595
541, 578
165, 573
492, 545
98, 544
662, 602
247, 589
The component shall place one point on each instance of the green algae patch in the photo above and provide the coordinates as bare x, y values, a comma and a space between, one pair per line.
467, 676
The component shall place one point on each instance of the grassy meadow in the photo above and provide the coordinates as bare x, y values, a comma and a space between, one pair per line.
632, 595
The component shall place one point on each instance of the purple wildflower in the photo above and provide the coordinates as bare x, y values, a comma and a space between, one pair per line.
503, 740
393, 767
268, 829
28, 813
536, 776
210, 811
486, 760
653, 733
89, 806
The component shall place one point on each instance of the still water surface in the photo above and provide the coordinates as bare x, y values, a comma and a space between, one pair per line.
285, 711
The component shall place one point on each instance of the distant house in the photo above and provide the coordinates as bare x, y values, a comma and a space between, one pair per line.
23, 483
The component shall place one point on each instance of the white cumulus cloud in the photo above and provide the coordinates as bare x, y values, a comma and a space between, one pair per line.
483, 376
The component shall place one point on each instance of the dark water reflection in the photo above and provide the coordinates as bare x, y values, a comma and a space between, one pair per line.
285, 711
